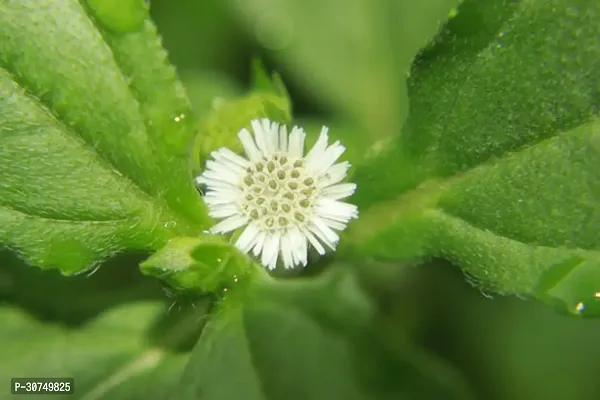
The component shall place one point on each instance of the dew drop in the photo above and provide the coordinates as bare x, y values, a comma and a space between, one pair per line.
170, 224
119, 16
588, 307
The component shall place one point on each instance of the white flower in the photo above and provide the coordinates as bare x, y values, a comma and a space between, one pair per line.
285, 199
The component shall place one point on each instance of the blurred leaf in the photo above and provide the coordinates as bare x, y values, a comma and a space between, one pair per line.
201, 35
91, 153
506, 140
508, 348
48, 295
207, 88
298, 340
204, 264
109, 358
353, 54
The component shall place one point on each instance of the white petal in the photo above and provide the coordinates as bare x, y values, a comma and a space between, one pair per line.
271, 135
330, 156
225, 154
247, 238
215, 198
260, 136
338, 226
249, 146
296, 145
260, 241
299, 247
273, 261
323, 232
319, 147
227, 192
223, 210
334, 174
217, 170
314, 241
270, 250
336, 210
215, 183
338, 192
283, 139
229, 224
286, 251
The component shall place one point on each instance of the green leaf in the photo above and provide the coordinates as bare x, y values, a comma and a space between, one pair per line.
118, 15
109, 358
206, 264
299, 340
167, 115
506, 183
92, 160
261, 81
353, 54
49, 295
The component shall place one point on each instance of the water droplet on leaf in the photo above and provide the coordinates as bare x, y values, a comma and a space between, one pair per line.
170, 224
588, 307
573, 285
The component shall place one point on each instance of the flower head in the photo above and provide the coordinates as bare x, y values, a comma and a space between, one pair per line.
286, 200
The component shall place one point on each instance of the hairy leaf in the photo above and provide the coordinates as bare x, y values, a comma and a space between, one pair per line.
93, 155
499, 156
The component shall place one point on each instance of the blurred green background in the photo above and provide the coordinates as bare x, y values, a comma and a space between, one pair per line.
506, 348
